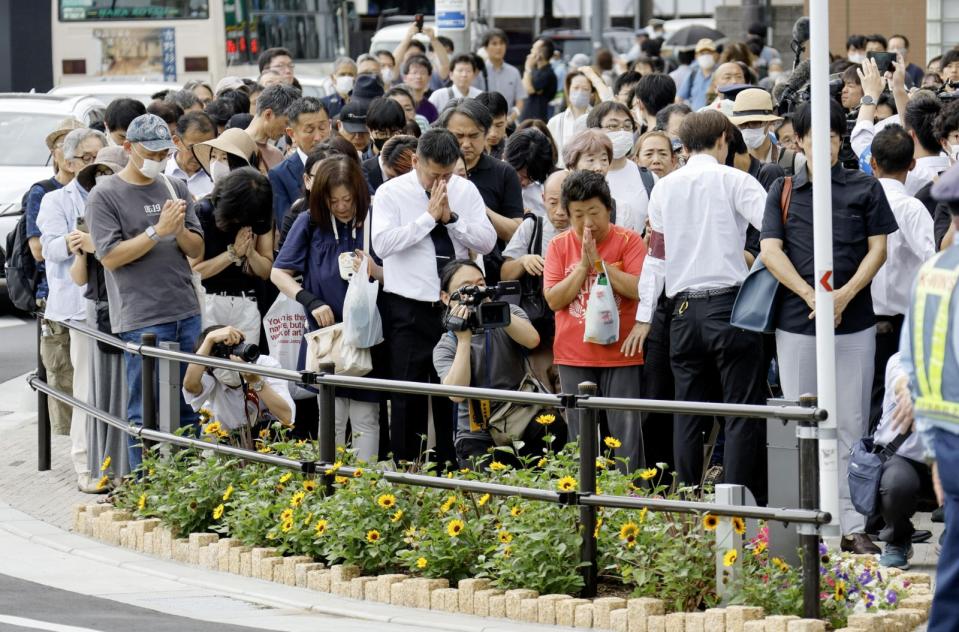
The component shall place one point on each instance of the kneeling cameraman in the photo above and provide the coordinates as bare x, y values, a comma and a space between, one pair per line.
485, 355
237, 400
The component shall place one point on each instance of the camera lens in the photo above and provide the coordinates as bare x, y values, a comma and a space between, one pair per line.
249, 352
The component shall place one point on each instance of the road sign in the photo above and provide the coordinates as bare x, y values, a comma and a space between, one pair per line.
451, 15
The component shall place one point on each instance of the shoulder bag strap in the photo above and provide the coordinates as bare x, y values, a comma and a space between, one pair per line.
785, 198
893, 446
169, 187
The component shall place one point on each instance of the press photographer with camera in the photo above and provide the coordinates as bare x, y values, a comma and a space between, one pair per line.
236, 399
485, 346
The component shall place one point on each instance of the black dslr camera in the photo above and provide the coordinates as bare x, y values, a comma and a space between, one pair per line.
483, 313
248, 352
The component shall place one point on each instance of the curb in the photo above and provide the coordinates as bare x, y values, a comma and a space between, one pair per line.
471, 596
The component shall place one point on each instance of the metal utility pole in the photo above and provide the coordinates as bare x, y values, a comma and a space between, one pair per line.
752, 13
597, 22
453, 20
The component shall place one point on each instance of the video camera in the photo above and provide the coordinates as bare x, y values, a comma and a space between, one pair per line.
248, 352
485, 310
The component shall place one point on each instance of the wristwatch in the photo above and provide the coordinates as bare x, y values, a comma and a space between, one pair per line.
453, 218
258, 385
151, 232
867, 100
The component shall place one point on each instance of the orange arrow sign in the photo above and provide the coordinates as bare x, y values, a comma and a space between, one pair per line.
824, 280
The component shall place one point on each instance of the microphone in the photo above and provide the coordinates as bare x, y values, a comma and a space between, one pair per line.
800, 77
801, 30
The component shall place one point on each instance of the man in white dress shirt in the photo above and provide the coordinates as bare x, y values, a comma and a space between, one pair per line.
191, 128
698, 217
462, 73
421, 221
906, 250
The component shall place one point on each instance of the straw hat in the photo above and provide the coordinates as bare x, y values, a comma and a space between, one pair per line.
233, 141
753, 104
705, 44
112, 158
64, 127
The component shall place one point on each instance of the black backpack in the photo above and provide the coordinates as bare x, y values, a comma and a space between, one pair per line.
531, 299
23, 274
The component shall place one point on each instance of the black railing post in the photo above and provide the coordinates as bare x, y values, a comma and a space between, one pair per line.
43, 413
588, 445
148, 382
809, 499
327, 425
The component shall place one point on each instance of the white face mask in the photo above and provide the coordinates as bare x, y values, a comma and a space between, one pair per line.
706, 62
218, 169
579, 99
387, 75
227, 377
622, 143
344, 84
857, 58
151, 168
754, 138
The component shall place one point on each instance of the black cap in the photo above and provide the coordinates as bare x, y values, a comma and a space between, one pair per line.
367, 88
353, 117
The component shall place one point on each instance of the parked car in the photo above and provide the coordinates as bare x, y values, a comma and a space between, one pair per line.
575, 41
25, 121
389, 37
107, 91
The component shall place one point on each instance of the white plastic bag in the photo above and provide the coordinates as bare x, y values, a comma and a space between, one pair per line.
285, 324
362, 326
602, 316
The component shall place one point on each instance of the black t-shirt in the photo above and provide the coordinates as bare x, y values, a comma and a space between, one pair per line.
232, 280
860, 211
537, 105
766, 173
498, 184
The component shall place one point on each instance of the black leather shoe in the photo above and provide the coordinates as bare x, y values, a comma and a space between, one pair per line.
921, 535
939, 515
858, 543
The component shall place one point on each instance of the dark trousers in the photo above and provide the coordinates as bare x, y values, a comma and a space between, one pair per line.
702, 342
888, 331
945, 605
413, 329
658, 384
903, 483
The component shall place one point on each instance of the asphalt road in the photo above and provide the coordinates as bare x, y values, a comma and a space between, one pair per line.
18, 348
38, 607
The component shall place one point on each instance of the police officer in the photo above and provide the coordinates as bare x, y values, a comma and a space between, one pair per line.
930, 356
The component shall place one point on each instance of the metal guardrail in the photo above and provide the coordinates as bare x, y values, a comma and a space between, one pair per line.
808, 519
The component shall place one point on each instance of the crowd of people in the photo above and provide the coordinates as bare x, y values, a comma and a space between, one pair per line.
623, 196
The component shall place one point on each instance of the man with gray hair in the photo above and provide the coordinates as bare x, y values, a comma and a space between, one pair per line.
341, 85
270, 122
60, 211
367, 64
185, 99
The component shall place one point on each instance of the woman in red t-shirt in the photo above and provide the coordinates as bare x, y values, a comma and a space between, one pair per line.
573, 261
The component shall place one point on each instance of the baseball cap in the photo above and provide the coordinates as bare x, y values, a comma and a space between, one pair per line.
64, 127
228, 83
150, 131
113, 158
705, 44
367, 88
353, 117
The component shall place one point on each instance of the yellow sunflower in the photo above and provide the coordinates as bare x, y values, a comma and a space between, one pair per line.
228, 493
840, 592
542, 462
358, 472
780, 565
142, 502
320, 527
103, 482
566, 484
263, 434
372, 536
333, 468
545, 419
759, 549
710, 522
218, 512
729, 558
297, 499
213, 428
516, 511
508, 551
106, 464
287, 526
739, 525
309, 485
628, 532
648, 473
286, 477
483, 500
286, 514
421, 563
642, 514
454, 527
496, 466
612, 442
505, 537
448, 504
386, 501
396, 517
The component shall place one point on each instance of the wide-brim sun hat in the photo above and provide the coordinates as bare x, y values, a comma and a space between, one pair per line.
753, 105
64, 127
113, 158
233, 141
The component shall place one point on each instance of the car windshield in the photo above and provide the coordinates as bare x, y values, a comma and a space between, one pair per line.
22, 136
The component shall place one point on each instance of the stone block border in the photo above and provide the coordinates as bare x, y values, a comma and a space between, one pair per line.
471, 596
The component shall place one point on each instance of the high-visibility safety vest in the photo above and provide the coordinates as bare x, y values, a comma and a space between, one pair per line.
932, 334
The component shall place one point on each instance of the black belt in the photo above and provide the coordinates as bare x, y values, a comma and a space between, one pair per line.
705, 294
405, 299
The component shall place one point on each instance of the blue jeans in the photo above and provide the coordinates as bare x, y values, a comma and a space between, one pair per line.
945, 605
185, 332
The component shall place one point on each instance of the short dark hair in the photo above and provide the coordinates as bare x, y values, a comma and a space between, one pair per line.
947, 121
549, 45
757, 28
851, 74
169, 112
327, 149
220, 110
470, 108
495, 34
463, 58
662, 117
655, 92
530, 149
184, 98
802, 119
418, 60
701, 130
239, 99
385, 114
737, 145
383, 51
242, 198
397, 151
332, 172
278, 97
267, 56
418, 45
121, 112
439, 146
876, 37
495, 102
582, 185
920, 117
199, 121
400, 90
601, 111
856, 41
304, 105
241, 120
447, 44
630, 77
454, 266
949, 57
892, 148
905, 40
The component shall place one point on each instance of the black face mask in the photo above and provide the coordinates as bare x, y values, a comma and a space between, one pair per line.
379, 142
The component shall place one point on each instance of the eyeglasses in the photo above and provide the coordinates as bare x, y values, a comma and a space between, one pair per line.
289, 66
616, 126
87, 159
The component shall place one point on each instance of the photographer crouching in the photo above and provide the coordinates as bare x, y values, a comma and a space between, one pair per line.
485, 346
238, 401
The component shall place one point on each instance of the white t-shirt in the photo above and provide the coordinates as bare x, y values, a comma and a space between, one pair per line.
523, 237
533, 199
229, 406
626, 187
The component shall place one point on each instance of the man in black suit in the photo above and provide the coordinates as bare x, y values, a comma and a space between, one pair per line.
309, 125
385, 119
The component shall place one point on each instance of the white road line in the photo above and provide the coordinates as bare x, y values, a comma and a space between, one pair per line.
12, 321
35, 624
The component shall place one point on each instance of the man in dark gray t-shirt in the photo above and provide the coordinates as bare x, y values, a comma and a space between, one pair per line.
144, 228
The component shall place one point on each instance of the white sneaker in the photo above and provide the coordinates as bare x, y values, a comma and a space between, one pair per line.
88, 485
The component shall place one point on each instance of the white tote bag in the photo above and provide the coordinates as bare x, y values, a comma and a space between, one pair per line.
327, 345
602, 315
285, 325
362, 326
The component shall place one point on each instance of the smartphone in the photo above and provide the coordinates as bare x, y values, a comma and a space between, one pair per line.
883, 61
418, 20
82, 225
